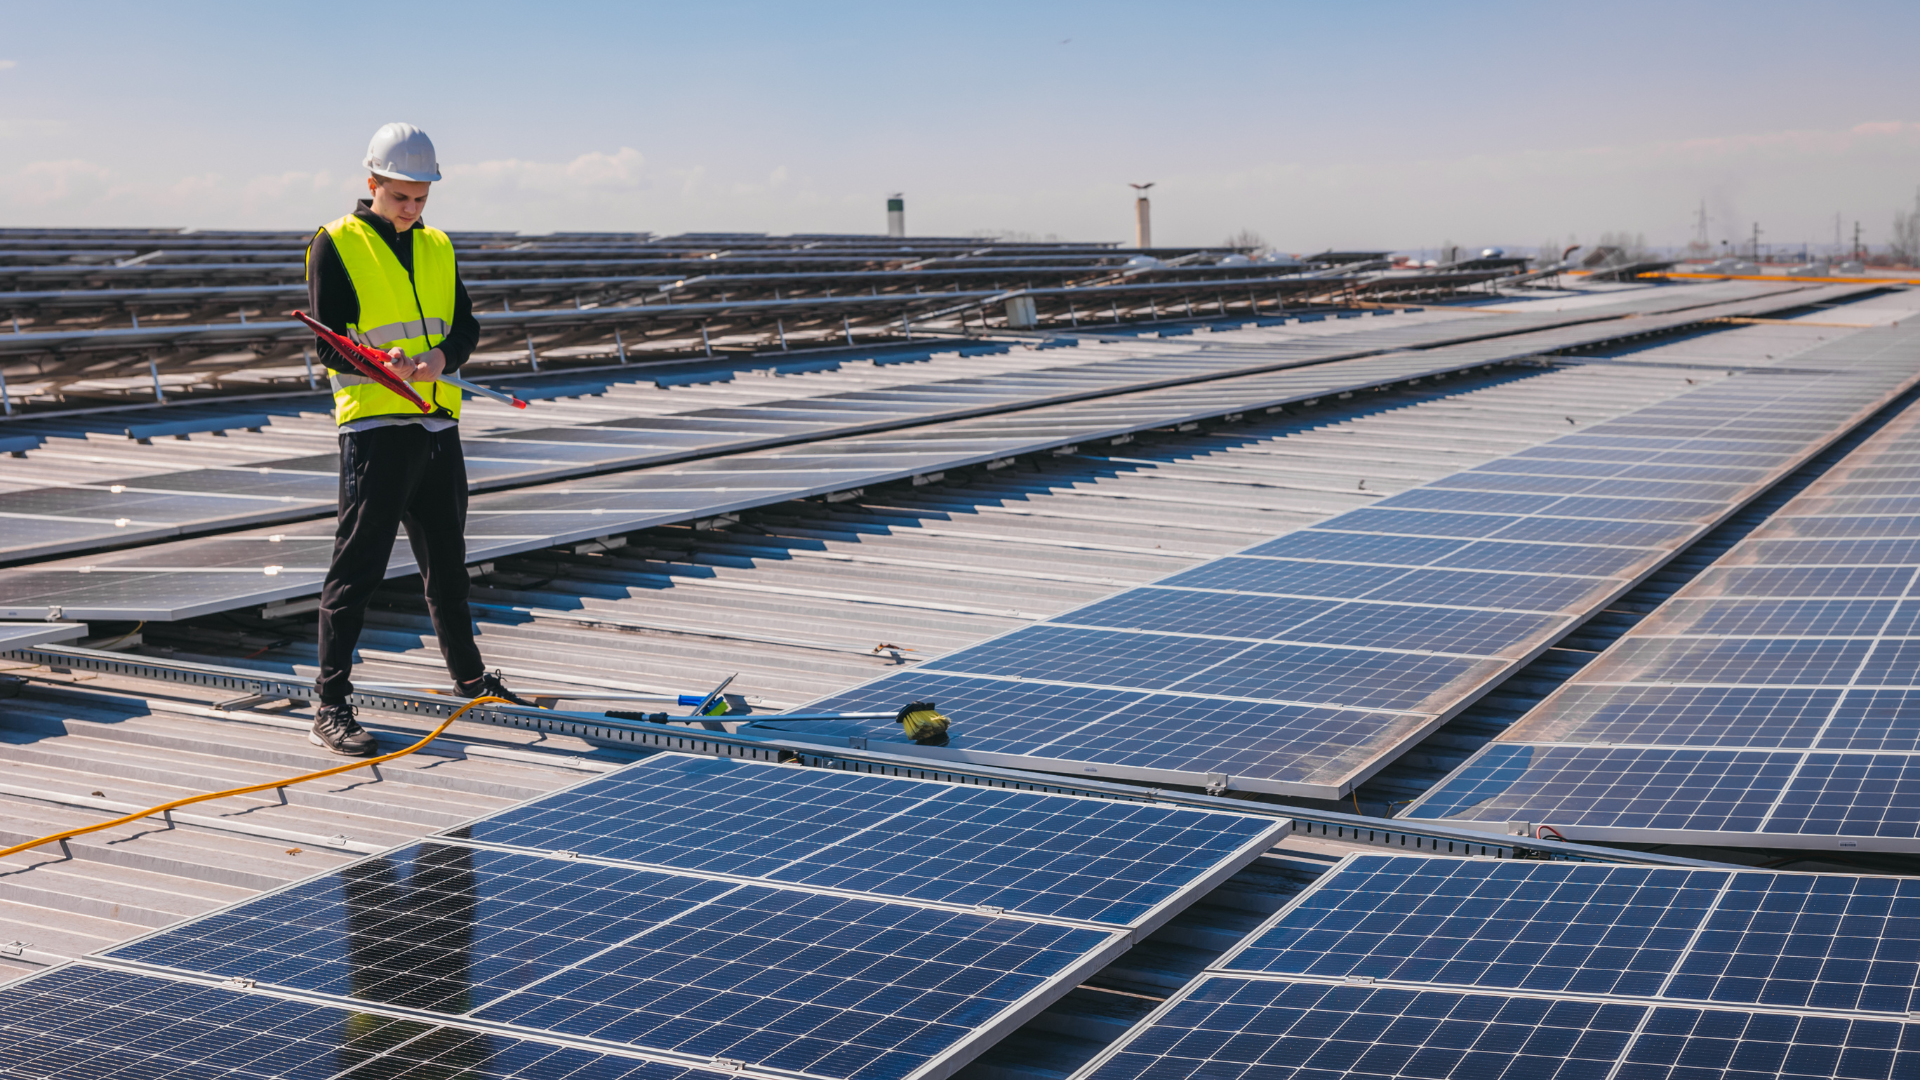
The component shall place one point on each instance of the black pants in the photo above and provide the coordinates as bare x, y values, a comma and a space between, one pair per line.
389, 477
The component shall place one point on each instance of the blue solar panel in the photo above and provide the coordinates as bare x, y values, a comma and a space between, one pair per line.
1441, 629
80, 1021
1124, 731
1449, 587
1874, 720
807, 983
1284, 577
1684, 789
1058, 856
775, 977
1582, 929
1800, 641
431, 926
1746, 717
1582, 559
1815, 581
1324, 543
1836, 942
1224, 1028
1536, 482
1859, 795
1824, 616
1101, 657
1570, 530
1830, 941
1479, 502
1179, 611
1832, 552
1425, 523
1319, 675
1755, 661
1544, 593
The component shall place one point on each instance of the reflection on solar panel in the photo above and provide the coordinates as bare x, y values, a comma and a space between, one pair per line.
735, 914
79, 1021
1303, 664
1766, 704
1428, 967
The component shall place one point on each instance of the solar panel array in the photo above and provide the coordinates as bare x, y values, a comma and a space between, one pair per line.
683, 912
1768, 703
1302, 664
574, 441
171, 581
1428, 967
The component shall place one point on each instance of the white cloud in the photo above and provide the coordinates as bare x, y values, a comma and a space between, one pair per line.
1791, 181
8, 65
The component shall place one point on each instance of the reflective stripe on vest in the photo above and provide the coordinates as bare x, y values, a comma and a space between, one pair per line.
413, 312
383, 337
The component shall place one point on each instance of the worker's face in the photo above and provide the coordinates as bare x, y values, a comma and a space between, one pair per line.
399, 201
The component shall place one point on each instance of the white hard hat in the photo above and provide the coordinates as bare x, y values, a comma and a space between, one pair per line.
402, 152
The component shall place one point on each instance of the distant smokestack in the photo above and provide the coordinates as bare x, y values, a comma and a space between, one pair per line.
896, 215
1142, 217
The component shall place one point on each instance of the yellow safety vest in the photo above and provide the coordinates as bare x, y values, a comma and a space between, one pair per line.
395, 309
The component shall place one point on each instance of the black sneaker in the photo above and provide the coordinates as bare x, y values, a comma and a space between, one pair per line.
489, 685
335, 728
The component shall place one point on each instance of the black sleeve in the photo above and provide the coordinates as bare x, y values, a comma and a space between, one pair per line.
330, 298
465, 332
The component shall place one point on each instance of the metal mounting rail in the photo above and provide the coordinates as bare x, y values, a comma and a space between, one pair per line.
1407, 836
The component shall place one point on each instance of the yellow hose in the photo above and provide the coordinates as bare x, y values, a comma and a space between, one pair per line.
191, 799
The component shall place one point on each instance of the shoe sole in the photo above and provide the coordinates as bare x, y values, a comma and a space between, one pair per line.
322, 744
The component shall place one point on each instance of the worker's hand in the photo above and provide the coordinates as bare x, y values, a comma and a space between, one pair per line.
429, 366
400, 362
426, 367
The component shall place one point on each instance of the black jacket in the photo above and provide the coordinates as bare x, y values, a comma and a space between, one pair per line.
331, 299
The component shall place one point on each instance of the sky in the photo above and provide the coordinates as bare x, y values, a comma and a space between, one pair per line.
1362, 124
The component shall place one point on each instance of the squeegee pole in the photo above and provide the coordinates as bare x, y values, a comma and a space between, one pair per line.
483, 391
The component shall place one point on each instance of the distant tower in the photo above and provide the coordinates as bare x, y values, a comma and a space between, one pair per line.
1142, 217
896, 214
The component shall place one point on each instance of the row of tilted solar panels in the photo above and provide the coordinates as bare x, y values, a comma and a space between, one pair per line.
683, 914
471, 958
1300, 663
1771, 701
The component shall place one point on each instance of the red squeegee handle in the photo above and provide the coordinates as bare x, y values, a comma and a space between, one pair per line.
371, 362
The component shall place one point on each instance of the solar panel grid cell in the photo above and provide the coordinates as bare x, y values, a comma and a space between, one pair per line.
1753, 661
1229, 1028
1285, 577
1323, 543
805, 983
82, 1021
1409, 966
1568, 530
1684, 789
1746, 717
433, 927
1055, 856
1097, 657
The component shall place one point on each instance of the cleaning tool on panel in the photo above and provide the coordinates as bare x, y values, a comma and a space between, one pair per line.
923, 723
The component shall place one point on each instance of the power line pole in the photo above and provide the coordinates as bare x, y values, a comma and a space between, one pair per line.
1856, 243
1756, 241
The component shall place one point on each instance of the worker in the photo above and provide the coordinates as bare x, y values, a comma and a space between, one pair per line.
384, 278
